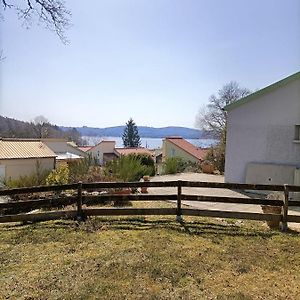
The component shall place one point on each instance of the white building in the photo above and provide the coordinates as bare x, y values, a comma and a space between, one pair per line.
263, 135
65, 151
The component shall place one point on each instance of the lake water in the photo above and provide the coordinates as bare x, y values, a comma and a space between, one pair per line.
151, 143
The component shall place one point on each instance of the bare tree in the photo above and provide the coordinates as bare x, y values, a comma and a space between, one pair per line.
52, 13
212, 117
41, 126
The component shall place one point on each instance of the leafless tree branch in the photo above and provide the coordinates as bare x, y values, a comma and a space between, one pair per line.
212, 118
52, 13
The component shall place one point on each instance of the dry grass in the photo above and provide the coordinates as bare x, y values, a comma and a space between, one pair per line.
148, 258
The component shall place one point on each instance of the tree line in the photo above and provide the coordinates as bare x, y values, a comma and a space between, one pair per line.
39, 128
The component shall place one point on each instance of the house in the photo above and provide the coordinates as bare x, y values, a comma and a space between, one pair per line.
263, 135
103, 151
106, 151
132, 150
66, 152
20, 157
178, 147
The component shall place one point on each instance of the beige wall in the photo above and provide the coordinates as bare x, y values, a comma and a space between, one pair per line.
171, 150
15, 168
101, 148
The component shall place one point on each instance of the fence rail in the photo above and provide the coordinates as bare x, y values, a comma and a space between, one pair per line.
77, 194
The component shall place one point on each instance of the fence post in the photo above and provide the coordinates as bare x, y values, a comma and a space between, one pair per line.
178, 214
285, 207
79, 216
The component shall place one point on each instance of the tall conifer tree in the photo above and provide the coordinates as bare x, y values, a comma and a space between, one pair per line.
131, 136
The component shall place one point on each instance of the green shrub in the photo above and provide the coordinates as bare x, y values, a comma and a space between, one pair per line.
126, 168
174, 165
58, 176
146, 160
26, 181
79, 169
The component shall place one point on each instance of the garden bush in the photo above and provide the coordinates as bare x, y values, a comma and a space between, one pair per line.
174, 165
58, 176
146, 160
127, 169
80, 169
216, 156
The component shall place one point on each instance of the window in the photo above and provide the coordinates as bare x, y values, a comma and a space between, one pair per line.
297, 133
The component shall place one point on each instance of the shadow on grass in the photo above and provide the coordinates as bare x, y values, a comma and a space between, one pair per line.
200, 227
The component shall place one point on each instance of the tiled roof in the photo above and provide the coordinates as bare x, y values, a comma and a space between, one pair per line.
141, 150
103, 141
188, 147
18, 148
85, 148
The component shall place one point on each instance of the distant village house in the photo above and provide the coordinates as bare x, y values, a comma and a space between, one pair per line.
178, 147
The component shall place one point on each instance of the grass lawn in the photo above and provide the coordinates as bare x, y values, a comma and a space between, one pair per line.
148, 258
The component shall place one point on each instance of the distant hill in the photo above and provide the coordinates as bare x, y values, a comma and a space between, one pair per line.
144, 131
12, 128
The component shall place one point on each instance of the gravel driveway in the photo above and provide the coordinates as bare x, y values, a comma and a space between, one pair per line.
205, 192
212, 192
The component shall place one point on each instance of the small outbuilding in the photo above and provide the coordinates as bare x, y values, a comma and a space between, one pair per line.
20, 157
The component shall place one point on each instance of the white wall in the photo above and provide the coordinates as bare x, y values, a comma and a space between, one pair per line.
262, 131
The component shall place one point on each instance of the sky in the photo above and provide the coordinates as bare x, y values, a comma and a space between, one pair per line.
157, 61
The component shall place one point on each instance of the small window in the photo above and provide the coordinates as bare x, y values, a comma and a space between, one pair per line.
98, 153
297, 133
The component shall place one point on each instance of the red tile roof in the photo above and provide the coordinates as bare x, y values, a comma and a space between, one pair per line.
127, 151
183, 144
85, 148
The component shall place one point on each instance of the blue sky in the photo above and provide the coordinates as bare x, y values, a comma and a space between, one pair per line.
156, 61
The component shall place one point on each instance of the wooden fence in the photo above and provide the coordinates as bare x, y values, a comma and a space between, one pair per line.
77, 194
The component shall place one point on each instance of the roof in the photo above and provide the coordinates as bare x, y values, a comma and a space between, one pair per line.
61, 145
140, 150
67, 156
73, 144
103, 141
18, 148
263, 91
85, 148
183, 144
